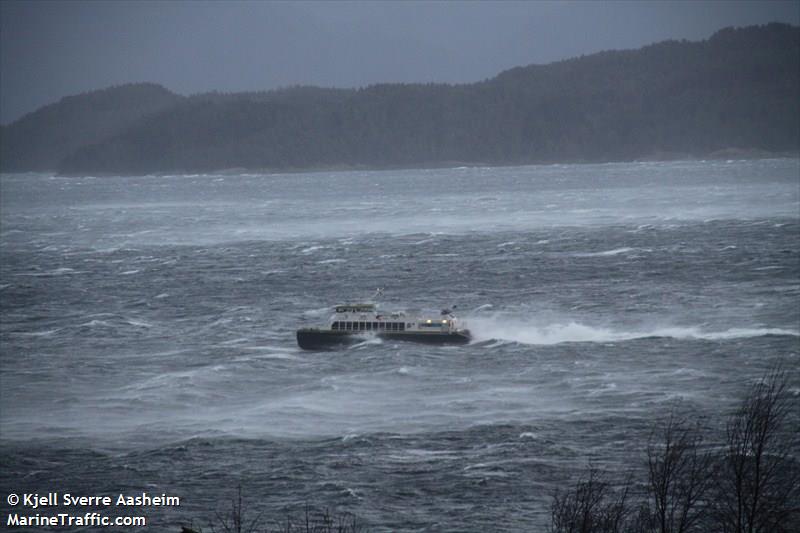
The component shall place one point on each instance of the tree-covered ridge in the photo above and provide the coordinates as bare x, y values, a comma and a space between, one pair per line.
42, 139
739, 89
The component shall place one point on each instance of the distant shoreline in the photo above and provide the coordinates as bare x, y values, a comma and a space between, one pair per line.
739, 154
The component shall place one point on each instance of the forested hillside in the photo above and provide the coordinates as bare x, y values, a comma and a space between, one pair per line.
740, 89
42, 139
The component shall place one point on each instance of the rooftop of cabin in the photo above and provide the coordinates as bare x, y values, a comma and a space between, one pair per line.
355, 308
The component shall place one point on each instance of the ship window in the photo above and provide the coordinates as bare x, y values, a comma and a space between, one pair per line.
362, 326
374, 325
381, 325
349, 326
335, 325
402, 326
369, 325
394, 326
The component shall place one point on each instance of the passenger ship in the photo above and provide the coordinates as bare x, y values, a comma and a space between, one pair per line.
350, 324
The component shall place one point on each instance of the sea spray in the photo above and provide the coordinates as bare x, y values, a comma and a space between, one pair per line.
538, 332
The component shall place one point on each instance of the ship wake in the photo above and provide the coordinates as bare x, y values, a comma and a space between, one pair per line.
537, 333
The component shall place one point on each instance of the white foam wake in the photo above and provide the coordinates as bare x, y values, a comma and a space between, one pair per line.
496, 328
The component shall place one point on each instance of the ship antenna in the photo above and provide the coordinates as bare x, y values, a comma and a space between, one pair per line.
378, 293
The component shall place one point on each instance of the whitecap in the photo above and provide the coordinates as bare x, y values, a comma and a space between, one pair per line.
139, 323
606, 253
276, 355
311, 249
607, 387
95, 324
64, 271
44, 333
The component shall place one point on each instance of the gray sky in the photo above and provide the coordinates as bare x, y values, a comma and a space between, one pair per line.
52, 49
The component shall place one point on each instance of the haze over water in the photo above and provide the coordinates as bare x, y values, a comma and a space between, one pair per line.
147, 333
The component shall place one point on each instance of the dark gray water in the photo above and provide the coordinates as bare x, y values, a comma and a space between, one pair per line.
148, 331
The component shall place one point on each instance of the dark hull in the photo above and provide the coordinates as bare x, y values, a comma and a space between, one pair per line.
323, 339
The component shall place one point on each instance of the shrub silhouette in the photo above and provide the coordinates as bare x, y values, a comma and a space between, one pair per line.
234, 520
749, 483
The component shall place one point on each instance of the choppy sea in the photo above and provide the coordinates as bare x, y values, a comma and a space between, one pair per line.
147, 332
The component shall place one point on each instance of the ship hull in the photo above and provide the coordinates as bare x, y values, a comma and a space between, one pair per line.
324, 339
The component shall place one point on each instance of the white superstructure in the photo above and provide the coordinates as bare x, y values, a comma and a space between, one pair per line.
366, 317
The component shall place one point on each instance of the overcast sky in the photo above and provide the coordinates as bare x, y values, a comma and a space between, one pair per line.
52, 49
